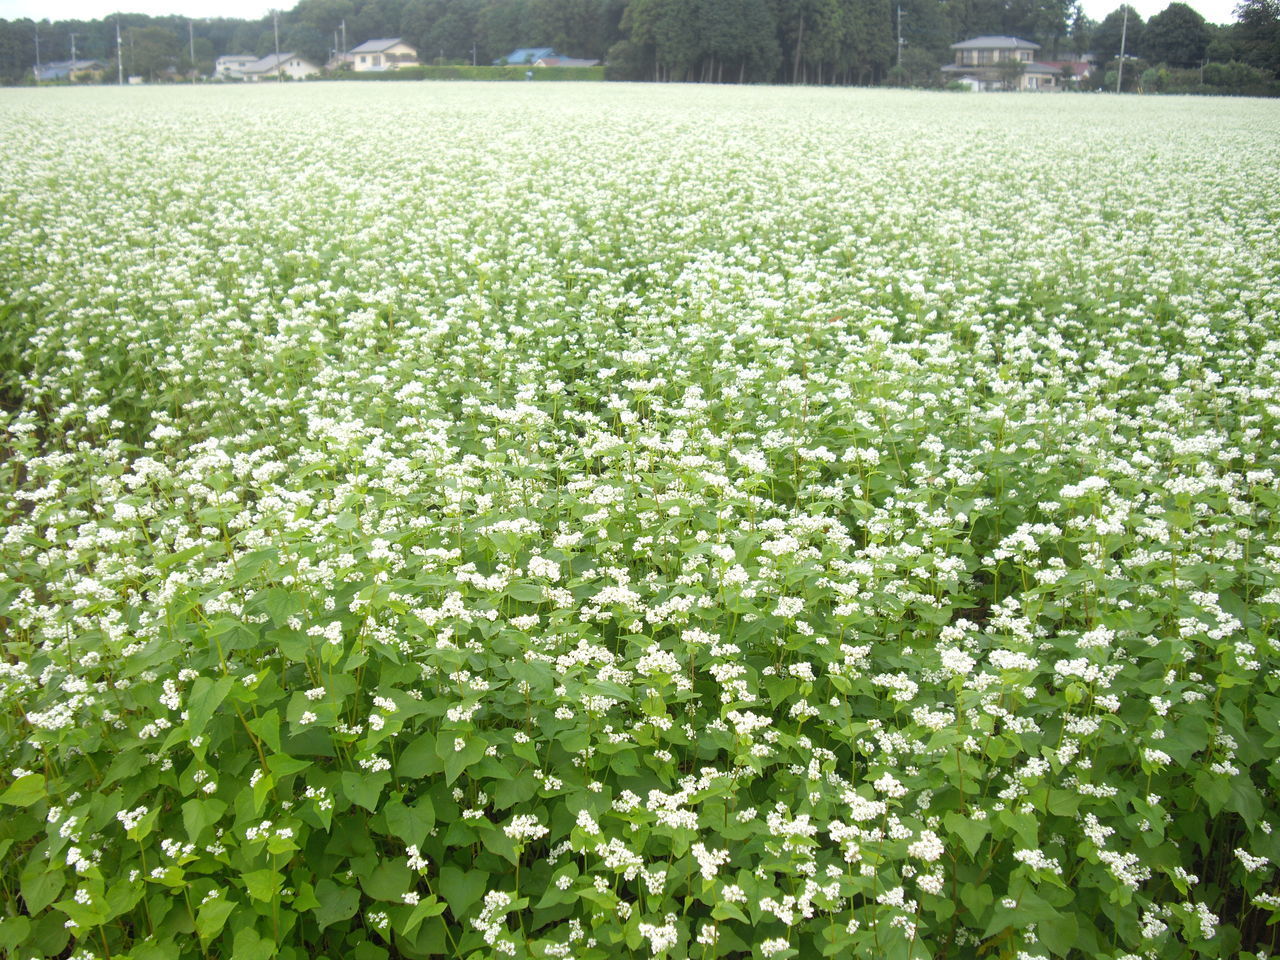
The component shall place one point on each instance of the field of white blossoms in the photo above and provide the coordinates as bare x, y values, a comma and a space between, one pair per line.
536, 522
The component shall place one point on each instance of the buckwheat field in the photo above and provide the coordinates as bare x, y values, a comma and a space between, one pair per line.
519, 521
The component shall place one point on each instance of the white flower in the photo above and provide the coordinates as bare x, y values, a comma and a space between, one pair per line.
525, 827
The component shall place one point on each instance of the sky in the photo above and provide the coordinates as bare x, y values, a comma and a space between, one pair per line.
1215, 11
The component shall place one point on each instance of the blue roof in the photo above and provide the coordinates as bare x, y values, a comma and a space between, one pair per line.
527, 55
61, 69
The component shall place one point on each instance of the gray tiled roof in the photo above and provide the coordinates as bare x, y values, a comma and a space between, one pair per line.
995, 43
527, 55
377, 46
270, 62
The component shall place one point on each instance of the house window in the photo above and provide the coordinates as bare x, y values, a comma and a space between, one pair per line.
377, 59
363, 58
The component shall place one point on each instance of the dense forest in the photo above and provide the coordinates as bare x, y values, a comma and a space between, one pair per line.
775, 41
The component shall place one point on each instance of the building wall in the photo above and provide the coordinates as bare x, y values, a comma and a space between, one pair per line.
232, 69
400, 55
294, 68
298, 69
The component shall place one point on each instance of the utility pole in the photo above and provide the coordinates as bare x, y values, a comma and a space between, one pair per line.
899, 35
1124, 32
37, 51
119, 54
275, 20
345, 48
191, 42
473, 56
73, 51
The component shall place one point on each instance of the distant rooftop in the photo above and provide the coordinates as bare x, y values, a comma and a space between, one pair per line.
565, 62
60, 69
270, 62
377, 46
527, 55
995, 43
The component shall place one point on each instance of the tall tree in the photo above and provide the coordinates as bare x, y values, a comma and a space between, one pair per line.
1177, 36
150, 51
1258, 33
308, 41
1106, 39
1082, 29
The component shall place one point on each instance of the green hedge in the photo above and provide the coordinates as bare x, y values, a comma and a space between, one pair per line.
480, 73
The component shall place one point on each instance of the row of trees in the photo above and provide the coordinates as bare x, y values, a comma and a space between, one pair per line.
787, 41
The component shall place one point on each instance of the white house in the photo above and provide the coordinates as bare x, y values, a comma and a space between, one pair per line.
986, 63
386, 54
231, 67
292, 65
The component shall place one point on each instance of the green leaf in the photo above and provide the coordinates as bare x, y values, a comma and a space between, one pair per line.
970, 831
39, 889
425, 908
456, 761
336, 903
161, 950
13, 931
24, 791
282, 765
123, 896
977, 899
281, 604
364, 788
170, 559
212, 916
419, 759
249, 946
1058, 931
205, 696
263, 884
1244, 800
390, 880
267, 727
526, 592
410, 823
305, 898
461, 888
198, 815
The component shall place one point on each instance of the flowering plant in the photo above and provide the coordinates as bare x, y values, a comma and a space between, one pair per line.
692, 549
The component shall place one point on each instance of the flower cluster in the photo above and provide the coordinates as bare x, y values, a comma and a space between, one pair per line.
839, 524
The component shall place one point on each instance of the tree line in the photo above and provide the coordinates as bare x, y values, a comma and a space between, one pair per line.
756, 41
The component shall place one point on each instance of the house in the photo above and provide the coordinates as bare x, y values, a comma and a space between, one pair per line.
68, 70
982, 63
231, 67
387, 54
1079, 69
292, 65
525, 56
564, 62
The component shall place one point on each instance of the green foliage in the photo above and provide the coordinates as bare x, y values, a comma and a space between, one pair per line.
1258, 34
1177, 37
1108, 34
